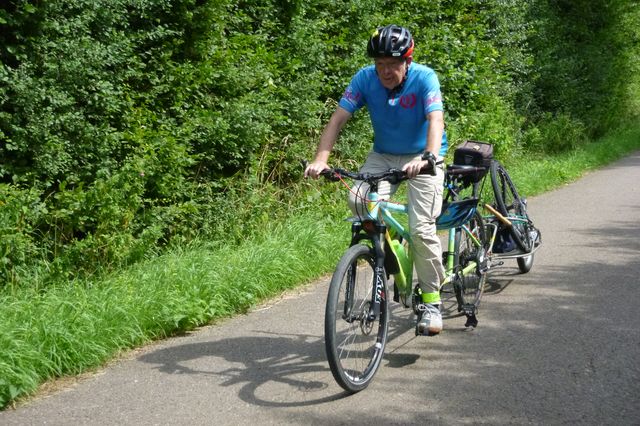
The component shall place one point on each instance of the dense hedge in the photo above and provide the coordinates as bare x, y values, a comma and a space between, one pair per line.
126, 125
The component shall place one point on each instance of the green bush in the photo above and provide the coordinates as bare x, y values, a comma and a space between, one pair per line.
555, 134
139, 123
20, 209
581, 52
499, 125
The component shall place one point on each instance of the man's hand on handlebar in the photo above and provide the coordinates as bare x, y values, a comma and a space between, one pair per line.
414, 167
314, 169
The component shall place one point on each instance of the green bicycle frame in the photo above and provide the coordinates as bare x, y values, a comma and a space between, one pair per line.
381, 210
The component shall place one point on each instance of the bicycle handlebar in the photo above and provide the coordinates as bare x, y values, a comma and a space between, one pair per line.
463, 170
392, 176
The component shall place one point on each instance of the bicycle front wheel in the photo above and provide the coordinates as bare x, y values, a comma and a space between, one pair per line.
511, 205
354, 338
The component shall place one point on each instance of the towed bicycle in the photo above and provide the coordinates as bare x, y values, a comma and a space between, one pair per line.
514, 234
357, 310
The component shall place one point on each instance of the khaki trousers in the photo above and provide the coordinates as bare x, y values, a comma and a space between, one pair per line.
425, 202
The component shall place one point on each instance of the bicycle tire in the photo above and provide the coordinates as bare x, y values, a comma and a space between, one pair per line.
511, 205
469, 287
354, 345
525, 263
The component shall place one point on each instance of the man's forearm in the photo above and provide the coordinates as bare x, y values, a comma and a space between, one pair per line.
330, 134
434, 133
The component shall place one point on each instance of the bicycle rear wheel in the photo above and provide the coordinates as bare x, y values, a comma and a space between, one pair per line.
355, 342
511, 205
471, 266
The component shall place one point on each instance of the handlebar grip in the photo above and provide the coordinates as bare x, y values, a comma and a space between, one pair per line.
431, 169
464, 170
330, 175
327, 173
428, 169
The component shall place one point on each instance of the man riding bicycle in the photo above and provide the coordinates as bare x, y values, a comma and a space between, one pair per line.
406, 110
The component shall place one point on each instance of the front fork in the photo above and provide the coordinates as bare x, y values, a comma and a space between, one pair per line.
374, 232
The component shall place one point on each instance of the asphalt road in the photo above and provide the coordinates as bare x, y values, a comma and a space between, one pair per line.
559, 345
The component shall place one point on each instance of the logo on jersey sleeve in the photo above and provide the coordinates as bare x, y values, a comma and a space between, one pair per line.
433, 98
350, 96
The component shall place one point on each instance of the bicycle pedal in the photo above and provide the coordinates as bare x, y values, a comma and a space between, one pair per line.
469, 310
472, 321
484, 266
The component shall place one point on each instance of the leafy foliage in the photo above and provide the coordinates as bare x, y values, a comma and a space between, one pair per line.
581, 50
128, 125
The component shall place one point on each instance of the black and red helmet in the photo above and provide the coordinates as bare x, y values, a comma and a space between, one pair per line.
391, 41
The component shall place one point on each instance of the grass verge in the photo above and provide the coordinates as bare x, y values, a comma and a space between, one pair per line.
79, 326
536, 175
69, 329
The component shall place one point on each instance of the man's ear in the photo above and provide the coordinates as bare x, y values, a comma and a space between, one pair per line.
409, 60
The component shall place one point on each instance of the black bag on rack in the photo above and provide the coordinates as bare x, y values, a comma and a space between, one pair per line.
473, 153
476, 154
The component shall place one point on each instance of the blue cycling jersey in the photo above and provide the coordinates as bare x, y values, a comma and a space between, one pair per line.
399, 119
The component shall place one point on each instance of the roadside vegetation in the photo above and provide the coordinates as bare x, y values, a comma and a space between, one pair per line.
150, 177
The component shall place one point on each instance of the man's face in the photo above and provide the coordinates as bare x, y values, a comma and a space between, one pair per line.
391, 71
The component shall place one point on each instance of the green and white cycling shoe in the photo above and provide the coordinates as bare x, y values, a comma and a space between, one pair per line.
430, 322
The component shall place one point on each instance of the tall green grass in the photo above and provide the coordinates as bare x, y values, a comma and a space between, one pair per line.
536, 175
69, 329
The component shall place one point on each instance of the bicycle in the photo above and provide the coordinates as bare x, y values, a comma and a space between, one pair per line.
357, 309
514, 219
517, 237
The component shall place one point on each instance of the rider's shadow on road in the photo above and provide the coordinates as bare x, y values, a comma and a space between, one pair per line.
272, 370
275, 369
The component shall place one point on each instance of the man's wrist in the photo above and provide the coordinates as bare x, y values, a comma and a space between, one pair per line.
428, 156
